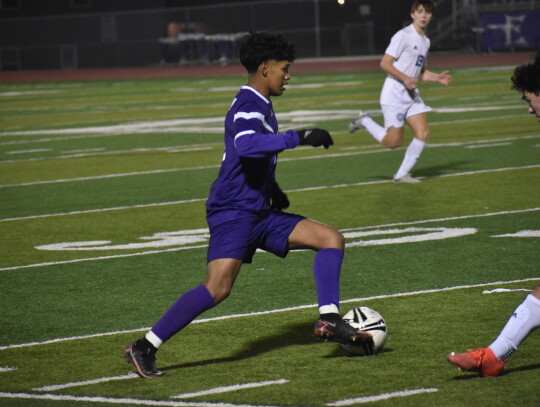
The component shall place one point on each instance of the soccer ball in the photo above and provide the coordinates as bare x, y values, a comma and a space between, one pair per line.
368, 320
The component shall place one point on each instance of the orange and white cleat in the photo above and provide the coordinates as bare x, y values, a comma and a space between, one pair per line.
481, 360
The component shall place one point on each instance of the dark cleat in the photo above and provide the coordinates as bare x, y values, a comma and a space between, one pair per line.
341, 332
144, 359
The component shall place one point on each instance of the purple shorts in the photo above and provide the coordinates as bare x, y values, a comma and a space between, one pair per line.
238, 234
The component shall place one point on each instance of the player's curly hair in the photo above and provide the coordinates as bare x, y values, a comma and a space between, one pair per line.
258, 47
526, 77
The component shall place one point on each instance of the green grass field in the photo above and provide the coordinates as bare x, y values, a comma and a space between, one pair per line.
102, 227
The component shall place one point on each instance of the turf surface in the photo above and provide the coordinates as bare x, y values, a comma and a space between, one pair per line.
100, 180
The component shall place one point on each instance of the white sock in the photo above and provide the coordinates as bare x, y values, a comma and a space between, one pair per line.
525, 318
411, 156
329, 309
378, 132
153, 339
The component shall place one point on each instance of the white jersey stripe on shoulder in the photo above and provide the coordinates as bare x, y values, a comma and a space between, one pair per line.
254, 115
248, 116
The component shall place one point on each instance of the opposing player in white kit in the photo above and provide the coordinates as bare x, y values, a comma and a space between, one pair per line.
490, 361
405, 61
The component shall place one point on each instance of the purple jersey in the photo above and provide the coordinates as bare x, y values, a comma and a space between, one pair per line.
252, 142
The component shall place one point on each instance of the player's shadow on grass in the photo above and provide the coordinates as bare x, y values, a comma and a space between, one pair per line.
289, 335
442, 169
434, 171
339, 352
469, 376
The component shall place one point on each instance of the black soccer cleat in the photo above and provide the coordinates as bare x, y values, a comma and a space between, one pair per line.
144, 359
341, 332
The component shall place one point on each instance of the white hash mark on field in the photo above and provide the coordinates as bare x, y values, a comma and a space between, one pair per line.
234, 387
7, 369
505, 290
522, 233
383, 396
54, 387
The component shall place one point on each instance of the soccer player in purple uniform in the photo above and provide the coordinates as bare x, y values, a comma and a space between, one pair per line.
245, 209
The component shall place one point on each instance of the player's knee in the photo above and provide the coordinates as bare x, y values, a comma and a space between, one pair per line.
219, 292
393, 138
422, 135
391, 143
335, 241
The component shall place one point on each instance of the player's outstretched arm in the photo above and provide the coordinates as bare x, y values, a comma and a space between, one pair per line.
250, 143
315, 137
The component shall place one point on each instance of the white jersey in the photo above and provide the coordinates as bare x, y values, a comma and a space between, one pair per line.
409, 49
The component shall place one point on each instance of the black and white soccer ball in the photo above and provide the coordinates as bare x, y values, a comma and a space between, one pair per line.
368, 320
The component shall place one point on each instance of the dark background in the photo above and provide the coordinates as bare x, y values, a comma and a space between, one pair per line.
71, 34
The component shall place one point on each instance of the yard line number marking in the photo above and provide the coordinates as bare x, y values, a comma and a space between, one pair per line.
353, 232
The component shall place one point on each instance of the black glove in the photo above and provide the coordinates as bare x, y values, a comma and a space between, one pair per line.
315, 137
278, 199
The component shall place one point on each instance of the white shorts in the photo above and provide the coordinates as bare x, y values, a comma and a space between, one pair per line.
398, 103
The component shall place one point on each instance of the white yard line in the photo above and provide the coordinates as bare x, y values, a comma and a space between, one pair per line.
123, 128
112, 152
205, 167
275, 311
295, 115
469, 144
116, 256
322, 187
113, 400
383, 396
118, 208
107, 176
179, 126
489, 145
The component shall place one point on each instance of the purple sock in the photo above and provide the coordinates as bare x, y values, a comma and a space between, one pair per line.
326, 269
190, 304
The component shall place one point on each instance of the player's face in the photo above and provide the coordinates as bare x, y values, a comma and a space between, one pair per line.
534, 103
278, 76
421, 17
